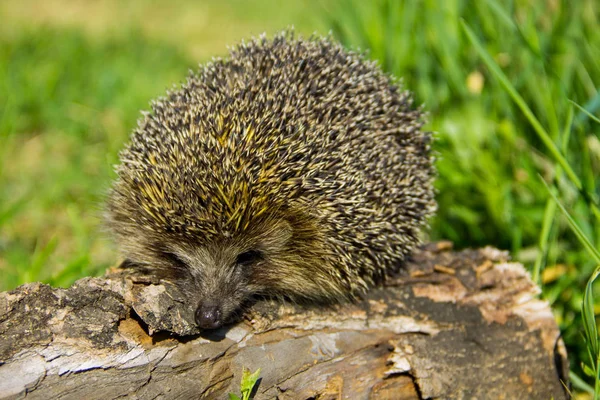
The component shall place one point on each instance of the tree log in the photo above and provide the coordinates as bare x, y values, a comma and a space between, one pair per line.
465, 324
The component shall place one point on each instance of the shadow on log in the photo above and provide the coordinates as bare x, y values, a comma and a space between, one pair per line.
454, 325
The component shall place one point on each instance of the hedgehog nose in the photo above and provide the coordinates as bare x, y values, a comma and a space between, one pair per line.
208, 316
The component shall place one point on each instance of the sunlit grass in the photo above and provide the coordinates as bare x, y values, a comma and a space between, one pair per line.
67, 107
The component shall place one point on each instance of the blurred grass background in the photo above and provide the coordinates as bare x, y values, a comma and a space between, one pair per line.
74, 75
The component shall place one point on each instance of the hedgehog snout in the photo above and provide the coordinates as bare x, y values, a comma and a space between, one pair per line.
209, 315
219, 285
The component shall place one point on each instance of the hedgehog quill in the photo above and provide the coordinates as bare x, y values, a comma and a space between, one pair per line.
293, 168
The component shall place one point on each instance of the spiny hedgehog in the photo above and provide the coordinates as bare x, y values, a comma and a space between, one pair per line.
293, 168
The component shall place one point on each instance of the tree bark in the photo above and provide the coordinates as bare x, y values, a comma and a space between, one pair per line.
465, 324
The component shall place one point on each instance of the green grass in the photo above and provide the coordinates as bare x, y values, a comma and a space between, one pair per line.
511, 88
66, 107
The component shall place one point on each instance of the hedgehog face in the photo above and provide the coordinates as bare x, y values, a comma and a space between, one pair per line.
229, 271
275, 257
217, 279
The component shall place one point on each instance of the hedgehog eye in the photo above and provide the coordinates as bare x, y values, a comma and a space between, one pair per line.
174, 259
249, 257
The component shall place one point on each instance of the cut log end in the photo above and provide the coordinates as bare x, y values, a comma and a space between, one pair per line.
452, 325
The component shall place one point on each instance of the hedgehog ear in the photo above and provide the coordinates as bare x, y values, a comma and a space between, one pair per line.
277, 236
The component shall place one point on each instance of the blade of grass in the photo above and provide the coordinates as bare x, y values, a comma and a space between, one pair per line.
586, 112
591, 331
549, 214
597, 375
578, 232
589, 320
592, 105
579, 383
550, 210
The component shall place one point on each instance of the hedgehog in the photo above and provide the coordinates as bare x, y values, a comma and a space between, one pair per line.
292, 169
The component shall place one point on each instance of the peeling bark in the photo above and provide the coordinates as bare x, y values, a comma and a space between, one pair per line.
463, 324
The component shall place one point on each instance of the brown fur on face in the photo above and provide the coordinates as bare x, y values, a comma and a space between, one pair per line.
268, 259
294, 168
